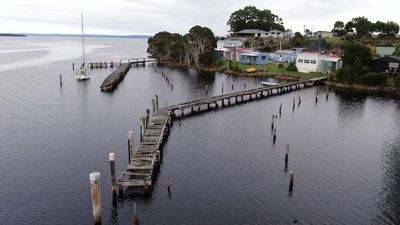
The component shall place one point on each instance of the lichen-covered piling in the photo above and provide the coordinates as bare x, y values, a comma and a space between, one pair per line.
96, 196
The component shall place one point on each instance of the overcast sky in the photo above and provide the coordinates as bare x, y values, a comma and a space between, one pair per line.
125, 17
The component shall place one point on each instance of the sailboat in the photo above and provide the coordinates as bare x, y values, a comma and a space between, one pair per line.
83, 73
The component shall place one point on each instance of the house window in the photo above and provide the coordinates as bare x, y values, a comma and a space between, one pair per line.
306, 61
263, 57
313, 61
300, 60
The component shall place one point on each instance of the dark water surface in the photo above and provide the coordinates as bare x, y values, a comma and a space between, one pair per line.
223, 166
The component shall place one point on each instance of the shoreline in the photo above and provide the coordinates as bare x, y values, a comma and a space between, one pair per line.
362, 88
223, 69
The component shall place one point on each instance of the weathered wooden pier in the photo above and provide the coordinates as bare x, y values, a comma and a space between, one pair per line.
144, 161
111, 64
111, 82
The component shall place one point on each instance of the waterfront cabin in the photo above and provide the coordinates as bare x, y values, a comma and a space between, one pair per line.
329, 63
253, 58
307, 62
315, 62
286, 56
387, 64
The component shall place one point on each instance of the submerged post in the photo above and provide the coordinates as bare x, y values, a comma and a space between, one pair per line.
222, 87
274, 136
291, 181
280, 110
60, 80
111, 158
96, 196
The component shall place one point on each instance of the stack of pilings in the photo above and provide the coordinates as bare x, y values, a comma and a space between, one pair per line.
112, 81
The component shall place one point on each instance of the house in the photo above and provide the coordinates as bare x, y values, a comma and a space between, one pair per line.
385, 51
315, 62
286, 56
251, 33
324, 34
329, 63
387, 64
229, 44
253, 58
307, 62
275, 34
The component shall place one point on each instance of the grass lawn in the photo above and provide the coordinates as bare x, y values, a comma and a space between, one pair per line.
274, 69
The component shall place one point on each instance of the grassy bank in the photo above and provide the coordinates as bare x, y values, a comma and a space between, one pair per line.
273, 69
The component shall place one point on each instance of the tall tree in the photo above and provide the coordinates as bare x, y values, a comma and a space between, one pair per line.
201, 42
252, 18
355, 50
363, 26
339, 28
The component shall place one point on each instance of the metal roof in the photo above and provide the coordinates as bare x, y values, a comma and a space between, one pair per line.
251, 31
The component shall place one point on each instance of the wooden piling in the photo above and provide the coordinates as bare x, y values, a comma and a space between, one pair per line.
274, 136
60, 80
272, 123
96, 196
222, 87
280, 110
287, 156
73, 66
131, 147
291, 181
135, 215
156, 97
111, 158
143, 128
147, 118
153, 106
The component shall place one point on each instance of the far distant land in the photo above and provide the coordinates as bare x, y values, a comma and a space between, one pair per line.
75, 35
12, 35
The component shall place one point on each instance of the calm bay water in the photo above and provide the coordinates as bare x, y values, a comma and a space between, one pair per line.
223, 166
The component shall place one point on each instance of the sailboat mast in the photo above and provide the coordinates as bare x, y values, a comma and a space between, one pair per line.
83, 42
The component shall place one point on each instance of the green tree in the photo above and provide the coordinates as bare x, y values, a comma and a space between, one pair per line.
355, 50
165, 46
200, 42
339, 28
252, 18
363, 26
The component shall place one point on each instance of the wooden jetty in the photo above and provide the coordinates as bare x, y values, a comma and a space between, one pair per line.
112, 81
145, 162
111, 64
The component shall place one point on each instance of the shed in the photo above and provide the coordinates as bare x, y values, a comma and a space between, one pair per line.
387, 64
253, 58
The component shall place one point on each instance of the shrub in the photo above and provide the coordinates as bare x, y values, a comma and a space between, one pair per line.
397, 81
373, 79
292, 67
220, 62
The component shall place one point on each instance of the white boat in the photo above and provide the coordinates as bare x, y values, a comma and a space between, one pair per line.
83, 72
266, 83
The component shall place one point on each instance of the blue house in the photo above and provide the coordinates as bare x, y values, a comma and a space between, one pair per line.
286, 56
253, 58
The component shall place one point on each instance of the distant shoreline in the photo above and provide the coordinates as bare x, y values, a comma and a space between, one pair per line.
12, 35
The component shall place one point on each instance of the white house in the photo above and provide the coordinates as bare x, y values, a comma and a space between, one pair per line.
307, 62
275, 34
315, 62
229, 44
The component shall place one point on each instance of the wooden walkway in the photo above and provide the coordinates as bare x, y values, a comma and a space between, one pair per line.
111, 64
145, 162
